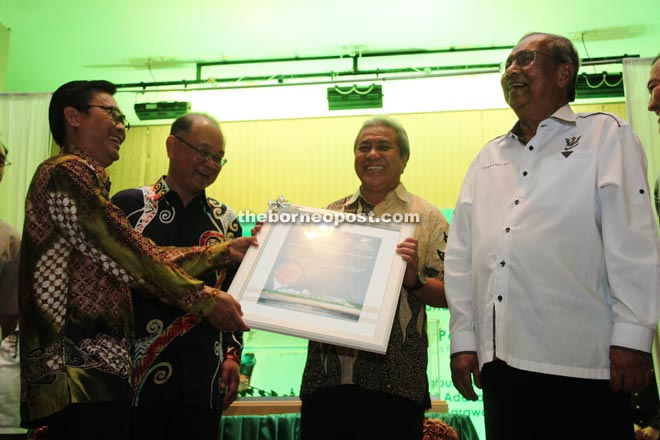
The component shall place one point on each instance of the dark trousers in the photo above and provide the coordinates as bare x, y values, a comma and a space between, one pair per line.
85, 421
523, 405
349, 412
175, 422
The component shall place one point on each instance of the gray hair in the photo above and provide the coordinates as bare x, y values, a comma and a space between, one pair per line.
385, 121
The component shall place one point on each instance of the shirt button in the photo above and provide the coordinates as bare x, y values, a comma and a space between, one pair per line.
507, 230
516, 202
524, 173
502, 263
641, 191
531, 147
500, 298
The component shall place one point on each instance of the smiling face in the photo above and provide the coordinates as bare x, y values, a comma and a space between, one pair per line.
95, 131
378, 162
189, 175
654, 89
537, 90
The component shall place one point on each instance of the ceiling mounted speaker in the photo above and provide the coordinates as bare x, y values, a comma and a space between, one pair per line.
161, 110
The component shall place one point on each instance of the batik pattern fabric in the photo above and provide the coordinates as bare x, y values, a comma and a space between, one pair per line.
79, 258
402, 369
178, 356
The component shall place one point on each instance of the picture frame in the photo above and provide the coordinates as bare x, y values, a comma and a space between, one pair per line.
323, 275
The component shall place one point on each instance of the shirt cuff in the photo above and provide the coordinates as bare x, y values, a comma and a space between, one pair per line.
632, 336
219, 254
234, 354
463, 341
201, 303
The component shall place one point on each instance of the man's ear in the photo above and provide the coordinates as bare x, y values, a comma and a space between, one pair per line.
169, 143
566, 73
72, 116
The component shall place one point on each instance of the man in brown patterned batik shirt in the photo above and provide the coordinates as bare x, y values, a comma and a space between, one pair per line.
79, 258
348, 393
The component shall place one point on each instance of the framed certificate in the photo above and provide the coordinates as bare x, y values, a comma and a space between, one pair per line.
323, 275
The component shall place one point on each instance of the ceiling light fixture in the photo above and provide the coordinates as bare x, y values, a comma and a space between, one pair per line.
355, 97
600, 85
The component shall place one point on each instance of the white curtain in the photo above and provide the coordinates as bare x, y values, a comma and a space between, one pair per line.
24, 131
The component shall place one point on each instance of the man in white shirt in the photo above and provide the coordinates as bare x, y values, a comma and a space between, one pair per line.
10, 244
10, 390
551, 269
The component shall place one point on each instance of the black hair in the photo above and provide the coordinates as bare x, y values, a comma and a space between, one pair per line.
75, 94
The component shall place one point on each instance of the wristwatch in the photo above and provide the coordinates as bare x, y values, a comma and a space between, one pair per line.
420, 282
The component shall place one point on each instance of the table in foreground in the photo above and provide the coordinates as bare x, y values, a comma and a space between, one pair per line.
279, 418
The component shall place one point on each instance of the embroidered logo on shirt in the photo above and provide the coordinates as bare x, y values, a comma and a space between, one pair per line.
570, 144
496, 164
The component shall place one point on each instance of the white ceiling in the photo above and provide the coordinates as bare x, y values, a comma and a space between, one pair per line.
127, 41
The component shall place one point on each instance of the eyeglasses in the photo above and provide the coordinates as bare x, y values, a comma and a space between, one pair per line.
4, 162
117, 116
524, 58
218, 161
